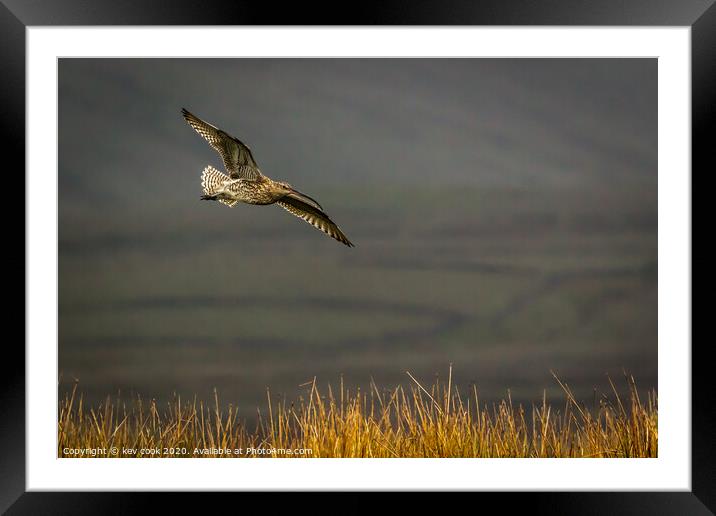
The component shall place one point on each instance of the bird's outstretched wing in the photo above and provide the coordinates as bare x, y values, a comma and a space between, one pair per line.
237, 157
314, 216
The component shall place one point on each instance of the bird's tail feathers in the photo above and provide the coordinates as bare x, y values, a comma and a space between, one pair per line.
212, 181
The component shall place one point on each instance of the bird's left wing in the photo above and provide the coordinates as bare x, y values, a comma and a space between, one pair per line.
237, 157
314, 216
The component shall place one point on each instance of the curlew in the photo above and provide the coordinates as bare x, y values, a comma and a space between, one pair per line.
245, 182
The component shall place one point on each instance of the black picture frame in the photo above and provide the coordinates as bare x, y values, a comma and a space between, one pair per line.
16, 15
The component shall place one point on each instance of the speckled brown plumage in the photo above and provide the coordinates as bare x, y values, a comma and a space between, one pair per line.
245, 182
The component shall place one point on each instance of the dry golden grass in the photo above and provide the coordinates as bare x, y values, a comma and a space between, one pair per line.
404, 422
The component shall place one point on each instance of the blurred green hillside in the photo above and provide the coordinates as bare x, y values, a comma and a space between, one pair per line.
508, 283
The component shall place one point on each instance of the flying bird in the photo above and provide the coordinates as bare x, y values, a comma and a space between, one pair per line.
245, 182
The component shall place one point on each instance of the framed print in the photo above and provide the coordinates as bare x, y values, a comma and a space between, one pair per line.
443, 249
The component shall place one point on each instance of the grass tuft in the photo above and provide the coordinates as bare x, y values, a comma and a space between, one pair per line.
437, 421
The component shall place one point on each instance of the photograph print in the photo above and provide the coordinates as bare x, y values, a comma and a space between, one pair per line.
311, 258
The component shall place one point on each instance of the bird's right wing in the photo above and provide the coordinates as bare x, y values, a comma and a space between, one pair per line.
314, 216
237, 157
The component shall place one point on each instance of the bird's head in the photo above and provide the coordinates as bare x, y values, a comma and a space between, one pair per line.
285, 186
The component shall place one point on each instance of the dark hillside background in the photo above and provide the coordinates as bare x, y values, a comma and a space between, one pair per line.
504, 213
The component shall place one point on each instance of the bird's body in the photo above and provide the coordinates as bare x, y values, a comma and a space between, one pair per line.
220, 187
245, 182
